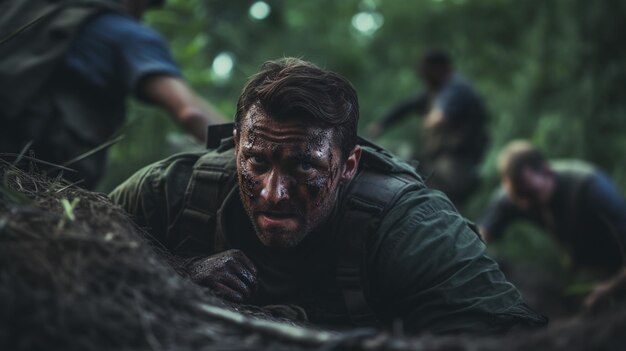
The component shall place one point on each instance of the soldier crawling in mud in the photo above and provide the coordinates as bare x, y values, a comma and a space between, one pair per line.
291, 208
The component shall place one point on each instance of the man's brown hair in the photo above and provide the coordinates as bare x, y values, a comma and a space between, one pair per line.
517, 156
290, 87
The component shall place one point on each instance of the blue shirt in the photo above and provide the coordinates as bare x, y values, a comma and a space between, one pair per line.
586, 214
113, 53
107, 61
460, 103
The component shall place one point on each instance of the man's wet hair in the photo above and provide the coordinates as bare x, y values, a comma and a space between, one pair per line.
517, 156
293, 88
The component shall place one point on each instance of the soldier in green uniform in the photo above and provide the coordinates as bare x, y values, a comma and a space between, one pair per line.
291, 208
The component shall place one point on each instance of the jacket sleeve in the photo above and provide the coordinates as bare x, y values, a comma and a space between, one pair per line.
417, 103
428, 268
154, 196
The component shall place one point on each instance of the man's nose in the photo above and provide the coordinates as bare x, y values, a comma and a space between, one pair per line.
276, 188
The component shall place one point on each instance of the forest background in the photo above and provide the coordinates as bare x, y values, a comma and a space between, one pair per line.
551, 71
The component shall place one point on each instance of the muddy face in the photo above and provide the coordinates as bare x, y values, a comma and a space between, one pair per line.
289, 173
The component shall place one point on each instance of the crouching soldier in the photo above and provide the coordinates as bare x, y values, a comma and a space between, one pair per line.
292, 208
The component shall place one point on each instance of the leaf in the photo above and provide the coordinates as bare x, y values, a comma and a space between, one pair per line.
68, 208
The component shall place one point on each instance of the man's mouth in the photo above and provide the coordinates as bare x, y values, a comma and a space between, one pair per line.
286, 220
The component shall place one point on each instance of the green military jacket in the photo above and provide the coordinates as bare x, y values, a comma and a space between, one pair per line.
420, 262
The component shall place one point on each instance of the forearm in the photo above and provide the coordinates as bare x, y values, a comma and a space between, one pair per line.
395, 115
195, 115
606, 294
195, 121
416, 103
190, 111
485, 235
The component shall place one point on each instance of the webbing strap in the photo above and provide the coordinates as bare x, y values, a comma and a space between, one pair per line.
210, 182
368, 197
356, 221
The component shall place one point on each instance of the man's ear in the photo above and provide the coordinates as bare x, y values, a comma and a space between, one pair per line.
236, 142
352, 164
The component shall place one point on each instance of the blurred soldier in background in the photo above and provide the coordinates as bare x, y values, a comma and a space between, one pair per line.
454, 136
579, 205
66, 69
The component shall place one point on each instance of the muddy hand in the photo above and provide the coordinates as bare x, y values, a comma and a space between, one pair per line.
230, 274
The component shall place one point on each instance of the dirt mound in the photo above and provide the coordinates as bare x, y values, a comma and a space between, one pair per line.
77, 274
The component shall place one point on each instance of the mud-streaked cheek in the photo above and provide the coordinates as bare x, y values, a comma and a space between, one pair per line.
249, 180
315, 188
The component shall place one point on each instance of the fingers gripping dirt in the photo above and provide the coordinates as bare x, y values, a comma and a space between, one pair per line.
230, 274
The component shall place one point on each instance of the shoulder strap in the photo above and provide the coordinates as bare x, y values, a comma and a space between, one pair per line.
212, 179
366, 199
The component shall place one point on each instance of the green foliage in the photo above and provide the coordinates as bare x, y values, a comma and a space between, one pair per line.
68, 213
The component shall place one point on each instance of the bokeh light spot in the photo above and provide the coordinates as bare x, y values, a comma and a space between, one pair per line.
260, 10
223, 65
367, 22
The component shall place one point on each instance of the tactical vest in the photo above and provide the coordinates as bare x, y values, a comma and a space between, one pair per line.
380, 180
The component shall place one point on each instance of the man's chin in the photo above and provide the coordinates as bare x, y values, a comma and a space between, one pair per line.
280, 239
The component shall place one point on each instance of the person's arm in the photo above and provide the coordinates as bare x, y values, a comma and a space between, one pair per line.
154, 197
429, 269
148, 70
417, 103
606, 294
183, 105
499, 214
435, 118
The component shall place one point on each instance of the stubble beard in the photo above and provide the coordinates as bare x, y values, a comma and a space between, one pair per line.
274, 238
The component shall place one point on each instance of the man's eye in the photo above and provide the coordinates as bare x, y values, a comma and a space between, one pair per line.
305, 166
257, 161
